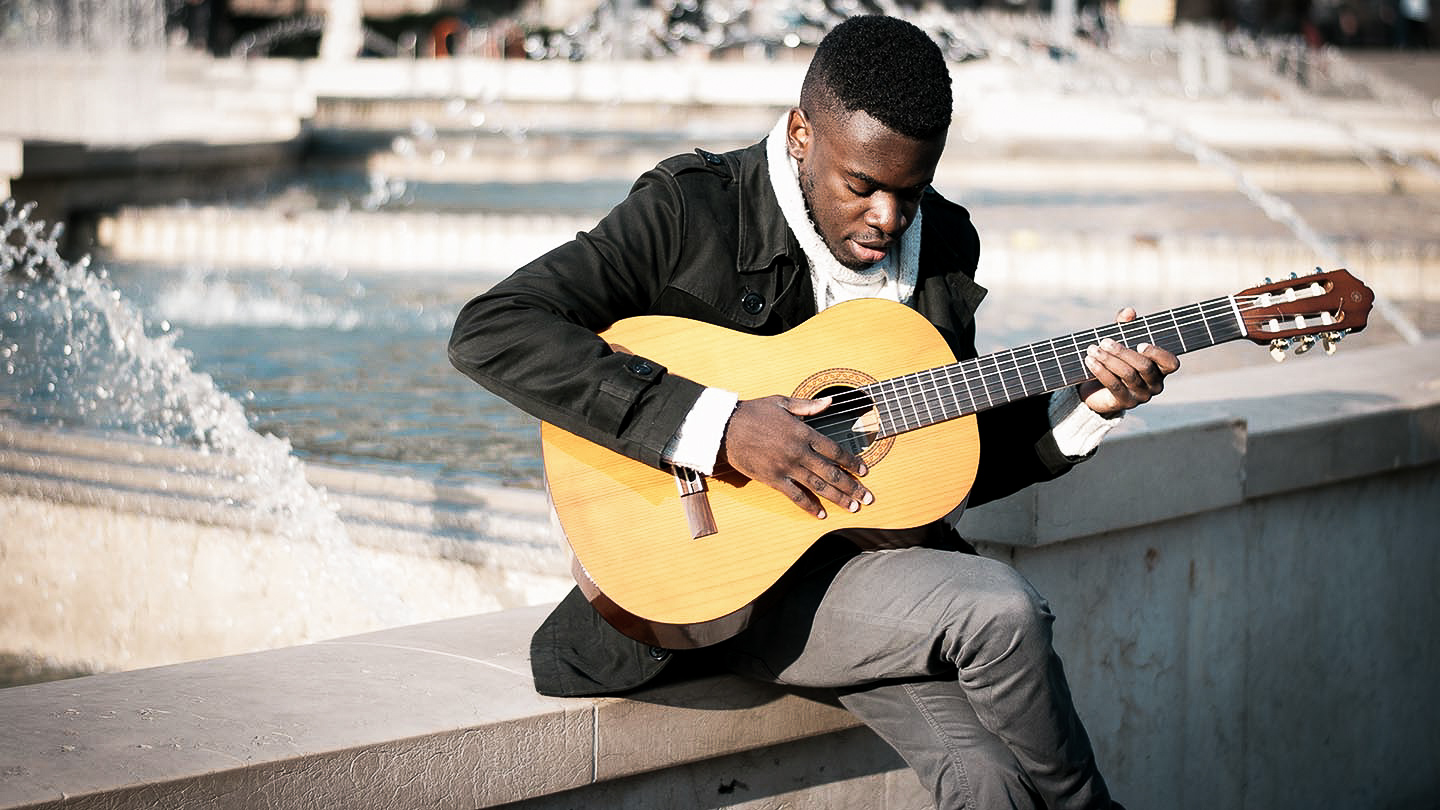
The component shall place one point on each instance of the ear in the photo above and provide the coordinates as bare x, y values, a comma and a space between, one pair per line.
798, 134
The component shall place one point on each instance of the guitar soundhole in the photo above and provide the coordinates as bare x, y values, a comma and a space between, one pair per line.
850, 421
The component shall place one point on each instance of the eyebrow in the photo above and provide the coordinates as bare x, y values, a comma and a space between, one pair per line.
865, 178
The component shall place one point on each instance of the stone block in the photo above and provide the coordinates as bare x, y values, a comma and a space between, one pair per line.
705, 719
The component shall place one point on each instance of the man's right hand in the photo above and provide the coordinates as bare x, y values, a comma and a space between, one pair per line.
766, 440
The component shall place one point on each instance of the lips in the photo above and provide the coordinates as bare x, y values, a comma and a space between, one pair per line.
870, 252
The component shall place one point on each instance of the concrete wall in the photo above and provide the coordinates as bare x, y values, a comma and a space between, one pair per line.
121, 554
1277, 654
1244, 580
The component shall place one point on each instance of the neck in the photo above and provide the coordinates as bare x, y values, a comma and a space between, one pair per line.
926, 397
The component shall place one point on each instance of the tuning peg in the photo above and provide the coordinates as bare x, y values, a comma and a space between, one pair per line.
1319, 272
1267, 280
1307, 342
1331, 339
1294, 275
1278, 348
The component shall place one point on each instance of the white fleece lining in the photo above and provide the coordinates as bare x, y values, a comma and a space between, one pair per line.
833, 281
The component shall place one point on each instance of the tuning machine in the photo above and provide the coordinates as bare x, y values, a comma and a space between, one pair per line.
1278, 348
1331, 339
1307, 342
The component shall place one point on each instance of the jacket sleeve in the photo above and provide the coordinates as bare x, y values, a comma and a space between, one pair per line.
531, 339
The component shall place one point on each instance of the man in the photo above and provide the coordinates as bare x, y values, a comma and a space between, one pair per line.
944, 653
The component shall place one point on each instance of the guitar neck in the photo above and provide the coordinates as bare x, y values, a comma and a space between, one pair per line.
913, 401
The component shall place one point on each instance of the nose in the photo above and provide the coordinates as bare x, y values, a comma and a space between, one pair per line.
887, 214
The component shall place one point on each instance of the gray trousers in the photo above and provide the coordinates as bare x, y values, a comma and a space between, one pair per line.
947, 657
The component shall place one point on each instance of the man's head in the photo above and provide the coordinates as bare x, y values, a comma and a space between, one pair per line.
869, 132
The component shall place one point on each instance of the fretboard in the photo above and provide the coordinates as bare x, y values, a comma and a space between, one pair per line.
924, 398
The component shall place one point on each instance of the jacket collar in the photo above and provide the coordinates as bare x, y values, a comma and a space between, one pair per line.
764, 237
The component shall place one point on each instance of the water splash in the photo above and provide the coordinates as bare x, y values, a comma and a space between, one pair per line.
75, 354
213, 299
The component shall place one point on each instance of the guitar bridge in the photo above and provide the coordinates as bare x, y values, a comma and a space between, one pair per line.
696, 502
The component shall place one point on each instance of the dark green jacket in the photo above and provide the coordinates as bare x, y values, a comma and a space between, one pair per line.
699, 236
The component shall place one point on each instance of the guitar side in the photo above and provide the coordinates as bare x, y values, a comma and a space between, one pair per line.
636, 553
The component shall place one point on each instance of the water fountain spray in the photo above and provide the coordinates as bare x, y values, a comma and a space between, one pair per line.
74, 354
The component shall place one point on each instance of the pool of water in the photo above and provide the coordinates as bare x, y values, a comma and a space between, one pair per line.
352, 370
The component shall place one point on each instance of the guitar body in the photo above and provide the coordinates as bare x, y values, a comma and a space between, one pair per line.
637, 555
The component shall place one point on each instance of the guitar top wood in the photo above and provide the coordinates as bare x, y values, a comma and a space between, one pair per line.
625, 520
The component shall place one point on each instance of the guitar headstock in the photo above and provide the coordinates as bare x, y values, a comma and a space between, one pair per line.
1329, 305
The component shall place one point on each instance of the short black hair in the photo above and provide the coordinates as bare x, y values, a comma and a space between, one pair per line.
883, 66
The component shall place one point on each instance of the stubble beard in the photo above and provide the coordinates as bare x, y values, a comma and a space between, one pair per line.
807, 192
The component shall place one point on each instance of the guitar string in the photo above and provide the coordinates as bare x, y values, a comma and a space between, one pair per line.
1196, 315
922, 390
919, 396
911, 394
906, 388
1188, 320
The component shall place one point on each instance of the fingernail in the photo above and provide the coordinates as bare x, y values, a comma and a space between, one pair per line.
1107, 343
867, 498
821, 515
1141, 347
863, 469
1092, 350
854, 506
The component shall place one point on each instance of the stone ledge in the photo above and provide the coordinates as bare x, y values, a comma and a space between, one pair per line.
1238, 435
443, 714
432, 715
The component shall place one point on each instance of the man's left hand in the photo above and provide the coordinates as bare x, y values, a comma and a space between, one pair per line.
1125, 377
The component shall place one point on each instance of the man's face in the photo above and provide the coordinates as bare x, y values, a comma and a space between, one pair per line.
861, 180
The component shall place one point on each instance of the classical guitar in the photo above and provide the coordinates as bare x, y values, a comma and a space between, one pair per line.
677, 559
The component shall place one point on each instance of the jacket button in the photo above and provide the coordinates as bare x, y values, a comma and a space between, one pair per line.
712, 158
641, 367
659, 654
753, 303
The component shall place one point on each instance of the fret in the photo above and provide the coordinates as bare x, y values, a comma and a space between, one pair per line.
1179, 333
1148, 331
1040, 367
1235, 310
965, 376
905, 399
1080, 372
954, 398
1000, 378
894, 395
1019, 375
1166, 337
879, 393
926, 400
984, 385
1221, 324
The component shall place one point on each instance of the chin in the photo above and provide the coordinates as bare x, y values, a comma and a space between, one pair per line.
852, 263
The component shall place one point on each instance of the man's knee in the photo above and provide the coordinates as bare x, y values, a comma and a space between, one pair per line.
1005, 615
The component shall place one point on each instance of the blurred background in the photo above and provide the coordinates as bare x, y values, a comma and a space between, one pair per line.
237, 233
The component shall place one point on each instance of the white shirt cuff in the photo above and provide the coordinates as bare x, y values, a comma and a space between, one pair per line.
1077, 429
696, 443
